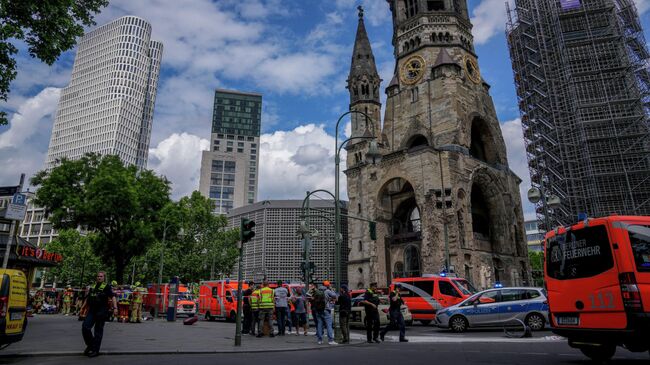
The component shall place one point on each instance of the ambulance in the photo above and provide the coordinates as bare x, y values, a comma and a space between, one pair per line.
185, 304
218, 299
597, 274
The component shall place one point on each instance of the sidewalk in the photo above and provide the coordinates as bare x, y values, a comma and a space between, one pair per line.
49, 335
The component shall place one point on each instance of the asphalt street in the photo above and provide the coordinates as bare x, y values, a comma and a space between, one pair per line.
385, 353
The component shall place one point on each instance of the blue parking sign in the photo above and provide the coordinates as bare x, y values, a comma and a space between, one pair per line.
19, 199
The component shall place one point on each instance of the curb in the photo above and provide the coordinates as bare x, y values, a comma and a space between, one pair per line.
170, 352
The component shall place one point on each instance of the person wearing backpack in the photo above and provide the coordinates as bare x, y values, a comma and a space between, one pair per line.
318, 308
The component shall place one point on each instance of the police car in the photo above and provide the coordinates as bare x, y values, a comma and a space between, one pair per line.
496, 308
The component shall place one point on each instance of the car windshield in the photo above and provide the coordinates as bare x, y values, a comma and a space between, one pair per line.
184, 296
640, 242
464, 286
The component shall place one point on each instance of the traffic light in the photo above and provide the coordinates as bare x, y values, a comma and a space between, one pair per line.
246, 230
373, 230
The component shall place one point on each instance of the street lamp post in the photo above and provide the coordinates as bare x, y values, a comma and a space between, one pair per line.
160, 271
372, 155
535, 195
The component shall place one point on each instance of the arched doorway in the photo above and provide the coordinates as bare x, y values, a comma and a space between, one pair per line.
400, 211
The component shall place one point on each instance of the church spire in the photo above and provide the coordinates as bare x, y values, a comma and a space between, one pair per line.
363, 81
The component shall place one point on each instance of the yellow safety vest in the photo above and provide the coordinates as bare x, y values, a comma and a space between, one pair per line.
255, 299
266, 298
138, 294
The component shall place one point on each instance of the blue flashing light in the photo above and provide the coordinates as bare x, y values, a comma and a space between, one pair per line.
498, 285
227, 281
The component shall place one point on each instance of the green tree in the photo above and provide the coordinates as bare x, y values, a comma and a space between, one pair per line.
79, 265
49, 28
198, 243
119, 203
537, 266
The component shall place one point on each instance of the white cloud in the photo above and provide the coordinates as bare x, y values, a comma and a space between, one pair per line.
178, 157
293, 162
27, 119
514, 138
489, 18
642, 5
23, 144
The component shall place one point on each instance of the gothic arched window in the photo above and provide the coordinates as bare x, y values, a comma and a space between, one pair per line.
411, 261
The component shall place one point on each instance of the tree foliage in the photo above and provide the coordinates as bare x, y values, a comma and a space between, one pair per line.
120, 204
49, 28
79, 265
198, 245
537, 266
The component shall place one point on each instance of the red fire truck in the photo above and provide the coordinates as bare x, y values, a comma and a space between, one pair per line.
160, 296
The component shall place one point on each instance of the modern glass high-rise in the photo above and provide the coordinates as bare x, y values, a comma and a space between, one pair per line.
581, 72
108, 106
229, 170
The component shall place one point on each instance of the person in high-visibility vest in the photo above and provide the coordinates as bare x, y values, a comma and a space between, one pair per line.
266, 306
124, 304
255, 308
67, 300
136, 306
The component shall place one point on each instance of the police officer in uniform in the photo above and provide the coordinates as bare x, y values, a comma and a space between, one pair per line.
97, 303
396, 317
371, 304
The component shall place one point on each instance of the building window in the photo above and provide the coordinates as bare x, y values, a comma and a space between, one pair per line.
230, 136
229, 143
253, 145
228, 149
414, 94
215, 192
217, 165
230, 166
240, 138
240, 144
240, 150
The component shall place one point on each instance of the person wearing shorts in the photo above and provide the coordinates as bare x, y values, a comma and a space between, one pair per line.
300, 303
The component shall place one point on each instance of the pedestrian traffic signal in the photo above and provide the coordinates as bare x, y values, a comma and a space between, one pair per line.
246, 230
373, 230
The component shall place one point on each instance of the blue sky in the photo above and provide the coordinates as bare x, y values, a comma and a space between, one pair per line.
295, 52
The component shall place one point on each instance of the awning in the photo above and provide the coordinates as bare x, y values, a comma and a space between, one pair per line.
23, 251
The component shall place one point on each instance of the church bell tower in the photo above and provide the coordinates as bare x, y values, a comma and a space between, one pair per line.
443, 196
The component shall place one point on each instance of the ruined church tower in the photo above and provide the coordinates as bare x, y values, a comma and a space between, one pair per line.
442, 195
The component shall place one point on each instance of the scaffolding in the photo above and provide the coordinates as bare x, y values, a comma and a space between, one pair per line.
583, 86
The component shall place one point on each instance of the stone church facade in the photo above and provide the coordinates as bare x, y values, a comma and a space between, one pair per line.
442, 194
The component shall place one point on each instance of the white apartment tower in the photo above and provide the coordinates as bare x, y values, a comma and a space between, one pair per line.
108, 106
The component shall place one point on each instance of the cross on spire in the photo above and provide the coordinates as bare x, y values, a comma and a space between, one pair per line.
360, 8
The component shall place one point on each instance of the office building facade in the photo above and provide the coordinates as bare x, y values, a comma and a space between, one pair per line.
581, 73
229, 170
276, 251
108, 106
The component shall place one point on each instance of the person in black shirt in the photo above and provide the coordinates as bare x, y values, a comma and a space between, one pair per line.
345, 307
396, 317
371, 303
97, 302
248, 309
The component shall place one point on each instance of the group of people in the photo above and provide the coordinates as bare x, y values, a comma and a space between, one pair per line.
129, 302
66, 302
291, 308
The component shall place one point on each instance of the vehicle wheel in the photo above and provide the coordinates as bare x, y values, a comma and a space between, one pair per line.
208, 317
425, 322
535, 321
600, 353
458, 324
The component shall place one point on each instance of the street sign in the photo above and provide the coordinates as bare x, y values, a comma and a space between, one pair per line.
15, 212
8, 190
19, 199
